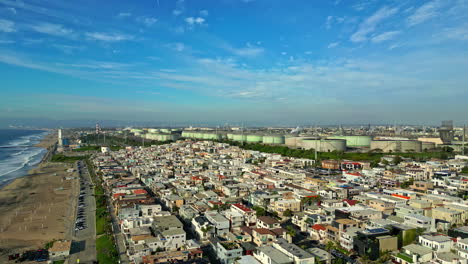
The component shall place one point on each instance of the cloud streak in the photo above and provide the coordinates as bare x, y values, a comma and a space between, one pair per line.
370, 24
7, 26
424, 13
108, 37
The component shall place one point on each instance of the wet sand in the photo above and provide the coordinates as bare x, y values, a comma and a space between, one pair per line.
37, 208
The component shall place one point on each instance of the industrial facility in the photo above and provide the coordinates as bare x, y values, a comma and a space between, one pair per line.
387, 139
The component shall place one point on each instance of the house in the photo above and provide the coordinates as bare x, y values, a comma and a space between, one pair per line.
343, 224
422, 186
418, 221
235, 218
297, 254
402, 210
413, 254
449, 215
170, 230
171, 256
202, 228
371, 242
438, 243
246, 260
462, 248
284, 205
320, 255
248, 214
347, 238
226, 252
381, 205
218, 221
60, 250
263, 236
269, 255
267, 222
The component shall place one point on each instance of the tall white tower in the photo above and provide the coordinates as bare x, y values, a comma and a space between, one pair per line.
60, 141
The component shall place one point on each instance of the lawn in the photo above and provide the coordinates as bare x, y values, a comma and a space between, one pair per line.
106, 251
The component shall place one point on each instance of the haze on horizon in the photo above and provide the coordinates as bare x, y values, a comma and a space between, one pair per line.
272, 62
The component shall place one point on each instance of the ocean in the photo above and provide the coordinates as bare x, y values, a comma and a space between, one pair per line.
17, 154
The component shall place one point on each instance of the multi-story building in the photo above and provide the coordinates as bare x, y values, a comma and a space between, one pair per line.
438, 243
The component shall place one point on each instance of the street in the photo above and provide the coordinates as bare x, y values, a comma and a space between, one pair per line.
84, 241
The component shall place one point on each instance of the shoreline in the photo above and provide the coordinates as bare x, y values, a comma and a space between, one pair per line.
47, 143
37, 207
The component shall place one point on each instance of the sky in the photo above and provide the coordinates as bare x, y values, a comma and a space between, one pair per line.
234, 61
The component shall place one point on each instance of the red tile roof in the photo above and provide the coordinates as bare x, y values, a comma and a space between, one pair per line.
318, 227
242, 207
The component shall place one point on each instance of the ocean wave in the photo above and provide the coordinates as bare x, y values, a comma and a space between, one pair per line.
28, 158
28, 140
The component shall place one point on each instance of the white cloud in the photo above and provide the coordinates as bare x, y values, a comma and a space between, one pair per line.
180, 8
12, 10
204, 13
369, 25
424, 13
124, 14
7, 26
53, 29
177, 46
385, 36
179, 30
329, 22
108, 37
333, 45
194, 20
456, 33
248, 51
6, 41
68, 49
147, 21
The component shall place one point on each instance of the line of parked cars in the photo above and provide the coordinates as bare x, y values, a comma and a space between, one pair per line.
80, 223
40, 255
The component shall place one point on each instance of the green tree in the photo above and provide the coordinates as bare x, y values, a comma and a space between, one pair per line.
260, 211
291, 231
287, 213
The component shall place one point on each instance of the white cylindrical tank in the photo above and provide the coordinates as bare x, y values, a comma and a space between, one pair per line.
396, 145
323, 145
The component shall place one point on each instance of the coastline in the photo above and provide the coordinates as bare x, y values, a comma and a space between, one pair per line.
46, 143
35, 208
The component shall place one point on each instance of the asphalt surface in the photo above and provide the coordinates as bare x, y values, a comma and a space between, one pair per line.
84, 241
119, 237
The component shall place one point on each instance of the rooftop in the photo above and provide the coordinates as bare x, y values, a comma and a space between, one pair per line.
274, 254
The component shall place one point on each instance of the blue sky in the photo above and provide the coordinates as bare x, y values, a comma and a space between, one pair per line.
269, 61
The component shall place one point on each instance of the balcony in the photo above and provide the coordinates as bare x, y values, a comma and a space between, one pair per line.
405, 257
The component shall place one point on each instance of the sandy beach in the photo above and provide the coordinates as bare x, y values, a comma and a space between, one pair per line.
37, 208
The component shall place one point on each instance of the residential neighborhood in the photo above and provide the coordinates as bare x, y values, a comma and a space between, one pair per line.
211, 202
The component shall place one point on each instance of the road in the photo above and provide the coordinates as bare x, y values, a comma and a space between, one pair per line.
121, 247
84, 241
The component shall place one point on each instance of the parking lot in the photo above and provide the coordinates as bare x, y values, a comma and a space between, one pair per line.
84, 228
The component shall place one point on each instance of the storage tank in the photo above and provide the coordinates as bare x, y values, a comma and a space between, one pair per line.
254, 138
323, 145
238, 137
273, 139
292, 142
396, 145
355, 141
428, 145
